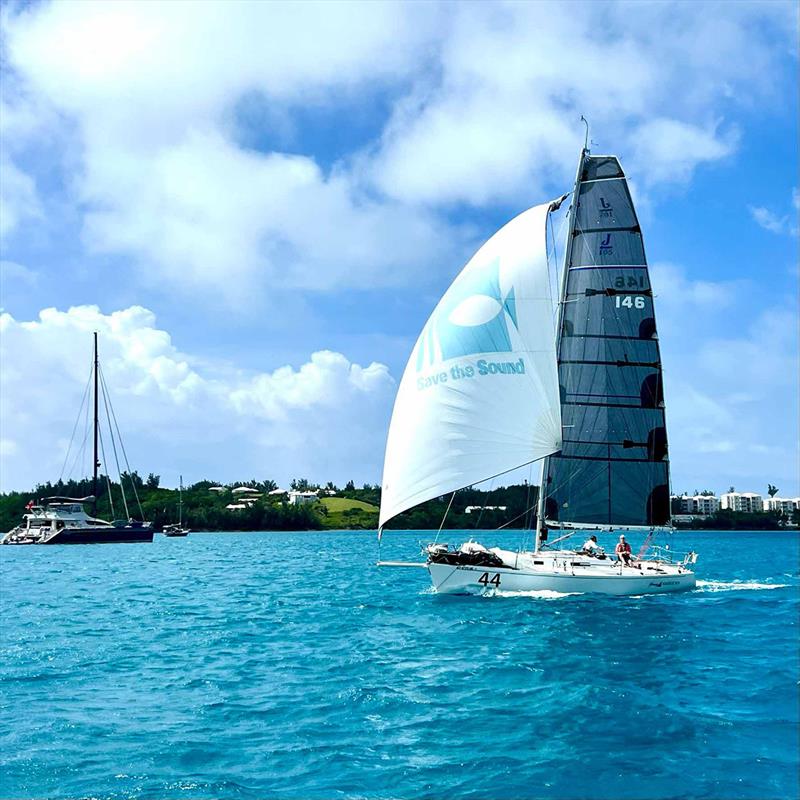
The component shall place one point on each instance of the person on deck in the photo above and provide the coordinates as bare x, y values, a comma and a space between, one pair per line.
591, 548
623, 551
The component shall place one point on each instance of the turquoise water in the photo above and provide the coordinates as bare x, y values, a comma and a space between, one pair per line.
287, 666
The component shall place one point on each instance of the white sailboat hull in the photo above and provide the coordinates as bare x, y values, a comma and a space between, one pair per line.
461, 579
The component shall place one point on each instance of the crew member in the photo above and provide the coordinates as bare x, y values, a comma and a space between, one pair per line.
623, 551
591, 548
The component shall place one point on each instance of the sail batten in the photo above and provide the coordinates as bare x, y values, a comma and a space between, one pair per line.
613, 468
479, 395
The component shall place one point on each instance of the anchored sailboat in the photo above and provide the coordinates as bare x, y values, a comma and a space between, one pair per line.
63, 520
495, 383
176, 528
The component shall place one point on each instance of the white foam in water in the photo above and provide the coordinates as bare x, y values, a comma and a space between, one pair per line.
541, 594
736, 586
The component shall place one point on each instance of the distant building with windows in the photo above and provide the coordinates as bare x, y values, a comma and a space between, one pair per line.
301, 498
746, 502
471, 509
786, 505
699, 504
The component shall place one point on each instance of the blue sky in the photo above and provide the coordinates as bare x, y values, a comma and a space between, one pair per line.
258, 204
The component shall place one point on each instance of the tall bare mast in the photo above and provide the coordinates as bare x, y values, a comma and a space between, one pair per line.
96, 461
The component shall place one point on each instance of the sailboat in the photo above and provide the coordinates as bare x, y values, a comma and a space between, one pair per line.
176, 528
501, 377
63, 520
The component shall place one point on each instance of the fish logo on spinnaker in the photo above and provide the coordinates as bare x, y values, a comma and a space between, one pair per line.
473, 317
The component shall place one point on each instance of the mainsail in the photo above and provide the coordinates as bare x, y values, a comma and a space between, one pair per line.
613, 468
479, 395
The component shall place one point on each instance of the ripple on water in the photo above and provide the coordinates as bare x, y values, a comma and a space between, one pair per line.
280, 665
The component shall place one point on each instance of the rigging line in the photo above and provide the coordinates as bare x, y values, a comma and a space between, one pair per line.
485, 503
80, 453
75, 426
114, 447
506, 524
108, 480
452, 497
122, 445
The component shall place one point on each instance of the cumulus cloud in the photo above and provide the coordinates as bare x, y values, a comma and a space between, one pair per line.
727, 393
180, 414
221, 218
482, 100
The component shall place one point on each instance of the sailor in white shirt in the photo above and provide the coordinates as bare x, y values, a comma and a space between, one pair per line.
590, 546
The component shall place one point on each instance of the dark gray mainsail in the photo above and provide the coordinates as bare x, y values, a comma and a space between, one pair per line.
613, 469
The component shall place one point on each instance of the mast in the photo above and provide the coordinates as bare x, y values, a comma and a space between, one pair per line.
613, 466
541, 528
180, 501
96, 461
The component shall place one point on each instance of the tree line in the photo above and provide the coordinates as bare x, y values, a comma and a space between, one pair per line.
206, 510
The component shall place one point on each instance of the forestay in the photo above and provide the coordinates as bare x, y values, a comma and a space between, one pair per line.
613, 468
479, 395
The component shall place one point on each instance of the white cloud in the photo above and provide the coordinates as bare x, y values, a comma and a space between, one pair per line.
179, 414
486, 102
19, 200
673, 288
220, 218
767, 220
11, 272
733, 395
668, 150
774, 223
502, 120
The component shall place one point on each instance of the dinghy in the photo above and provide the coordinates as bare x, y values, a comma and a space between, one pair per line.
501, 377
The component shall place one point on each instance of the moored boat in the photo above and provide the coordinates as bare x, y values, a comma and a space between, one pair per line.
176, 529
63, 520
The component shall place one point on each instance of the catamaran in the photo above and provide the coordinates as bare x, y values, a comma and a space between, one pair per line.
501, 377
63, 520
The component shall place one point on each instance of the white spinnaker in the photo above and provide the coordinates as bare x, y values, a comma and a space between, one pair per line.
450, 428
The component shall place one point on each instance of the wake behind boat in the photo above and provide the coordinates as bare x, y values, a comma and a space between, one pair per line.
498, 386
63, 520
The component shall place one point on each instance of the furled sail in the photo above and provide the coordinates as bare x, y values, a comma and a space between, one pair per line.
479, 395
613, 467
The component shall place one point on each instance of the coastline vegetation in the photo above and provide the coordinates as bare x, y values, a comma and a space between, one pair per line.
337, 508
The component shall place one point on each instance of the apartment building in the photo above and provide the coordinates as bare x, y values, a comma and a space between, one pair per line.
747, 502
786, 505
704, 504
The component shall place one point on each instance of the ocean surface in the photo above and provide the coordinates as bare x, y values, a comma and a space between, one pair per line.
286, 665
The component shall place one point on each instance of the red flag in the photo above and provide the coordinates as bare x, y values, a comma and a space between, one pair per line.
29, 506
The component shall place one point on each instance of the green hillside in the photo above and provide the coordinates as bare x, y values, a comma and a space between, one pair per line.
345, 512
339, 504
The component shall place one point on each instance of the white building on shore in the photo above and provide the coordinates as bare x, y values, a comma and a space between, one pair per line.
301, 498
747, 502
699, 504
786, 505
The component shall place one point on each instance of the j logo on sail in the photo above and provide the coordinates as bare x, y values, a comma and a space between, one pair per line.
473, 317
